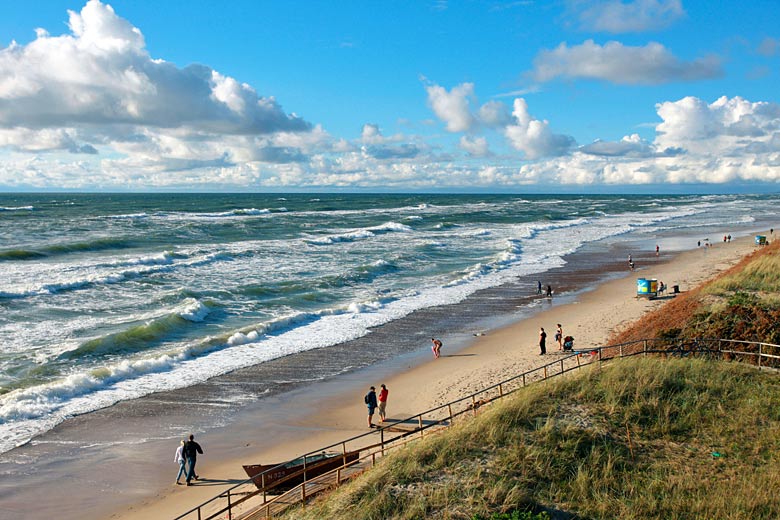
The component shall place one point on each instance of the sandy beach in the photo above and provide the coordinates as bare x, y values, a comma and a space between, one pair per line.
334, 410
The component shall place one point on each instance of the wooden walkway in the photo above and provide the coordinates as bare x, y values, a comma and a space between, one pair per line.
302, 492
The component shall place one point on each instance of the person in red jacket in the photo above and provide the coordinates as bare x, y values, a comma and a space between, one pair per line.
382, 402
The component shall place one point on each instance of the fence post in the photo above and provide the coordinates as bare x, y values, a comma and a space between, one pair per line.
600, 349
303, 492
419, 421
621, 351
474, 405
561, 366
760, 353
382, 440
644, 352
230, 506
523, 378
338, 477
262, 483
578, 360
449, 407
545, 372
500, 390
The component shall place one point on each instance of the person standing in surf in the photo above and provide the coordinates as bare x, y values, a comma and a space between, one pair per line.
436, 347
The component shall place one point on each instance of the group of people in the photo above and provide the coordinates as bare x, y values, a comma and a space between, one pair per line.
543, 339
539, 289
374, 403
186, 456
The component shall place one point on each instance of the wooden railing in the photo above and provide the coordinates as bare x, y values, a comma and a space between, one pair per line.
247, 499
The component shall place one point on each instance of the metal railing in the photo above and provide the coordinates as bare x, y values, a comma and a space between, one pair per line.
248, 497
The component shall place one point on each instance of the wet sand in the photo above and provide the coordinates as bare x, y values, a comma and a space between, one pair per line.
118, 462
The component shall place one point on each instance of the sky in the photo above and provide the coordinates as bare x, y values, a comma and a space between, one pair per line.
635, 96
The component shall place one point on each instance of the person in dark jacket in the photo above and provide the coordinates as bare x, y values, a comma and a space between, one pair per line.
191, 450
370, 400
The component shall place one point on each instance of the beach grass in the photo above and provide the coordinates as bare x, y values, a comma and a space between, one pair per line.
639, 438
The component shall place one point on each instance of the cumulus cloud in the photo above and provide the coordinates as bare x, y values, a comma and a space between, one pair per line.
453, 107
617, 16
652, 64
475, 147
726, 125
98, 84
533, 136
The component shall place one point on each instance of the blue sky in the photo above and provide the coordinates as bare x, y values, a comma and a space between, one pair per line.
570, 95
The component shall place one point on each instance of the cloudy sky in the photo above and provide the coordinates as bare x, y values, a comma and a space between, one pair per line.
424, 95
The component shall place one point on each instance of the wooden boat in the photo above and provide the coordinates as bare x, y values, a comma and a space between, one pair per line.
282, 477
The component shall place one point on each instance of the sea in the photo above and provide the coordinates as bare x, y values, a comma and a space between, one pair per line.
106, 298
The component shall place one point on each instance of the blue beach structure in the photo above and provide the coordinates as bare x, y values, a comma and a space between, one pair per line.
646, 288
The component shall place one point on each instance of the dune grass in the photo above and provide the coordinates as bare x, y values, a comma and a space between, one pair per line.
641, 438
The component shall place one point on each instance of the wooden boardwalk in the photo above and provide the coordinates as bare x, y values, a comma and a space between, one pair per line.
302, 492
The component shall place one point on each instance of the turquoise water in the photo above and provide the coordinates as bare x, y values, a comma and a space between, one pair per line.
110, 297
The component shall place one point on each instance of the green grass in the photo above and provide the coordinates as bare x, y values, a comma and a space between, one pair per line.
642, 438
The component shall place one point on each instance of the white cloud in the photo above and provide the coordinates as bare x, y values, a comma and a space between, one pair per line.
617, 16
494, 114
533, 136
649, 65
475, 147
98, 83
452, 107
726, 125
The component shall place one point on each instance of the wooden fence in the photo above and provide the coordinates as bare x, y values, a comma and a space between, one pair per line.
247, 500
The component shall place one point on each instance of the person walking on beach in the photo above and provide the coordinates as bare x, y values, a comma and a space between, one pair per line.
657, 250
542, 339
559, 336
370, 400
383, 402
181, 461
436, 347
549, 291
191, 450
538, 287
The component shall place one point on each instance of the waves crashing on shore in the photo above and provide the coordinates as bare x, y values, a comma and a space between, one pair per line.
111, 297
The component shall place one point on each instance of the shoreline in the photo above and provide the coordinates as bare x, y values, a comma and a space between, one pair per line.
309, 416
499, 354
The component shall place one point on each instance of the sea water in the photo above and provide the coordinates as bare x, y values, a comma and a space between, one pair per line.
109, 297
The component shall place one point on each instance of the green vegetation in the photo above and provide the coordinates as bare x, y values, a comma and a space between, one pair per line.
640, 438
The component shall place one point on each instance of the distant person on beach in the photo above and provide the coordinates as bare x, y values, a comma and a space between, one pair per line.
181, 461
191, 450
370, 400
631, 265
436, 347
657, 250
549, 291
539, 287
383, 403
698, 244
559, 336
542, 339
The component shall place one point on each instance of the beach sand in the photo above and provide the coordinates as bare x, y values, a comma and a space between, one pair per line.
331, 411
